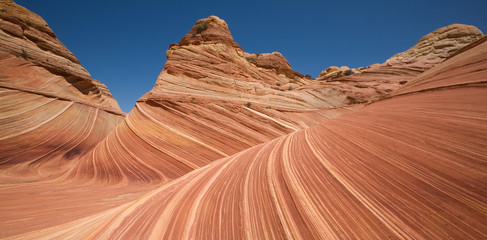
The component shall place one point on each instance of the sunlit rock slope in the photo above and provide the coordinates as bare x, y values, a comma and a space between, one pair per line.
210, 101
377, 81
408, 167
233, 145
213, 100
51, 111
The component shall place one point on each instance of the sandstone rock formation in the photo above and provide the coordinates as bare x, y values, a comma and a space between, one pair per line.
274, 61
221, 148
27, 36
383, 171
333, 72
210, 101
370, 83
51, 110
438, 45
209, 62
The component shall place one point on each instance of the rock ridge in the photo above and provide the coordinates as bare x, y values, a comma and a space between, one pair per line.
438, 45
26, 36
368, 84
209, 30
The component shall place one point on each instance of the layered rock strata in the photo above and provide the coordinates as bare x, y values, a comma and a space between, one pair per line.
210, 101
370, 83
51, 110
386, 170
231, 145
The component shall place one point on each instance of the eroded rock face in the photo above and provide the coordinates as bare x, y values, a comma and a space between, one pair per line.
367, 84
27, 36
219, 149
218, 100
210, 101
208, 60
274, 61
207, 31
51, 111
438, 45
384, 171
333, 72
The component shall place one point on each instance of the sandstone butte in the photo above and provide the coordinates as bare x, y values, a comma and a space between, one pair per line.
233, 145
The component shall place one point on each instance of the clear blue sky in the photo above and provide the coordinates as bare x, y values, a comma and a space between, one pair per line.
123, 43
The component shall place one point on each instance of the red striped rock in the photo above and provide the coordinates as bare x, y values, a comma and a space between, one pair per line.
384, 171
379, 80
210, 101
217, 150
51, 111
27, 36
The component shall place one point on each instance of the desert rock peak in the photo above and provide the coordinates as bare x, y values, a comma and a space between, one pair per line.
439, 44
332, 71
274, 61
16, 13
209, 30
214, 20
208, 60
36, 40
27, 43
223, 149
429, 51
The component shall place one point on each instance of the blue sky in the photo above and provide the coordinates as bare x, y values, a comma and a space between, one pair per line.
123, 43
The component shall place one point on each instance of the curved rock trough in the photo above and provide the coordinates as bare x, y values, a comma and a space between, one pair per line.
233, 145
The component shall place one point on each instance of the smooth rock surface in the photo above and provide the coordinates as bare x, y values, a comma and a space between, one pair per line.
232, 145
210, 101
438, 45
51, 111
387, 170
27, 36
368, 84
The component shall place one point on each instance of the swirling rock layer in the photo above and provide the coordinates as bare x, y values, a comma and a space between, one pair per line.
52, 112
231, 145
411, 166
211, 100
27, 36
